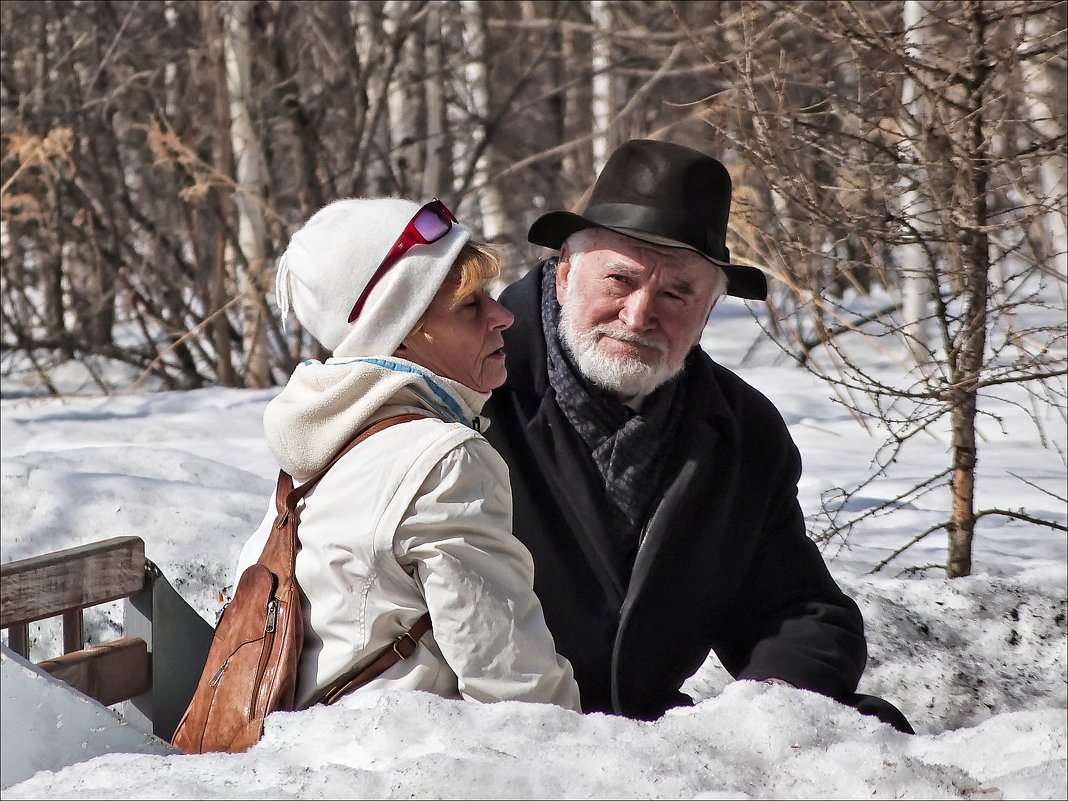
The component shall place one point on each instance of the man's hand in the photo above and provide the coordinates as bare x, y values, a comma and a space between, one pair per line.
779, 681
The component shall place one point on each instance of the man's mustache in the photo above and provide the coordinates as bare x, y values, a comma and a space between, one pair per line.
626, 335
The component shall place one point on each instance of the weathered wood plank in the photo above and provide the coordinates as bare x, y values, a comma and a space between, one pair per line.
112, 672
45, 586
73, 631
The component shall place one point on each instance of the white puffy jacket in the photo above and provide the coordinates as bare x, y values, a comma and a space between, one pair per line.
416, 517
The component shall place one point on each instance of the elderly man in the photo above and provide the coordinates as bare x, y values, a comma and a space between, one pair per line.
656, 490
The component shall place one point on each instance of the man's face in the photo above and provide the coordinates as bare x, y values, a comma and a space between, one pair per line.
630, 310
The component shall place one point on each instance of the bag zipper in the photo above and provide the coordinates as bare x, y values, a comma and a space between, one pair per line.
218, 673
265, 652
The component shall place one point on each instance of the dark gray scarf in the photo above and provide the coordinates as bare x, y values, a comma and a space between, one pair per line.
630, 449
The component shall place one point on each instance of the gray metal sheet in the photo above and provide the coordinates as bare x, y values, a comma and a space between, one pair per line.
47, 725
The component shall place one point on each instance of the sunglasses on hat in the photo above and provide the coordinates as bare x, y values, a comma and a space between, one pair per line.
428, 225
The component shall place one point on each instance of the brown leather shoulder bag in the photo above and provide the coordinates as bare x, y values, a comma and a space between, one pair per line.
252, 663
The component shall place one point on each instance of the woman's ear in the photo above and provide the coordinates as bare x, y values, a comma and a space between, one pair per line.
406, 343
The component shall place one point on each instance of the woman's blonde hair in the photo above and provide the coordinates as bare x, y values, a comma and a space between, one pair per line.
476, 265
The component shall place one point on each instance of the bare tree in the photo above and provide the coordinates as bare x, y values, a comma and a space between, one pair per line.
929, 142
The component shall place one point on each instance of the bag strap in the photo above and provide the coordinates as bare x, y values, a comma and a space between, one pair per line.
286, 497
401, 648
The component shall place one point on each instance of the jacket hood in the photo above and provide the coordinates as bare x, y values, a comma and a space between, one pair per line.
325, 404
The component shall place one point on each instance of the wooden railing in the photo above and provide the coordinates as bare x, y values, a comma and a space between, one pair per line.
153, 670
63, 584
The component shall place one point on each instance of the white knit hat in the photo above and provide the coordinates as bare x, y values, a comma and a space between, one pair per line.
332, 257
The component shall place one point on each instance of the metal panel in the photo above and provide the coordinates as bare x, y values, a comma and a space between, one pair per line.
178, 640
46, 725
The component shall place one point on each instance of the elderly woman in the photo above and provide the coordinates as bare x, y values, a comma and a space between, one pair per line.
417, 517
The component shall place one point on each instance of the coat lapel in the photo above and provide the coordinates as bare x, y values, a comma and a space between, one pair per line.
665, 531
693, 475
570, 471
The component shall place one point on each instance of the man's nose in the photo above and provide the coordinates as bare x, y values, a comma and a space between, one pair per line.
637, 311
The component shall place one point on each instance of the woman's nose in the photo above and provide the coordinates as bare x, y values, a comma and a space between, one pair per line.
499, 317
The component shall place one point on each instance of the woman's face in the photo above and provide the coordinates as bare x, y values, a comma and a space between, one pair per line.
462, 339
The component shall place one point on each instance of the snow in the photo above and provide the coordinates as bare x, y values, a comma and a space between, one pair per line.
977, 664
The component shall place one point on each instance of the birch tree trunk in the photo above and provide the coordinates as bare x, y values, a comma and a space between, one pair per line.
573, 111
435, 179
51, 273
915, 206
222, 160
1037, 88
601, 83
372, 51
490, 203
251, 185
405, 103
171, 95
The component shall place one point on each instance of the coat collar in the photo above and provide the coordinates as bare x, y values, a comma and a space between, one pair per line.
325, 404
524, 340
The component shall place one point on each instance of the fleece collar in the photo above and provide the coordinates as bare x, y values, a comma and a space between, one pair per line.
325, 404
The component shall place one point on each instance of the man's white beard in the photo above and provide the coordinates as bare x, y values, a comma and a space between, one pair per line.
616, 373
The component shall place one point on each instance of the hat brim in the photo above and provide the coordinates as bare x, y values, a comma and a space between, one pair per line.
553, 228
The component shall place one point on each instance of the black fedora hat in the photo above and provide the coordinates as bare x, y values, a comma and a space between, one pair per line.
662, 193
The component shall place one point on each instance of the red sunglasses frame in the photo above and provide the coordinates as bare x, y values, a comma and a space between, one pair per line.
409, 238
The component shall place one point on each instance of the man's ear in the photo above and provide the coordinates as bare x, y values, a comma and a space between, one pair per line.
708, 316
563, 271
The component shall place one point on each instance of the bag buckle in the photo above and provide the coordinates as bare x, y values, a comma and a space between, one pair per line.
399, 642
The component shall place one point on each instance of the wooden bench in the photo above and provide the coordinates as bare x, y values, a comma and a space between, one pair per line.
152, 670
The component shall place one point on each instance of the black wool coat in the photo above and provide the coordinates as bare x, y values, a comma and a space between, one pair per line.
725, 564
